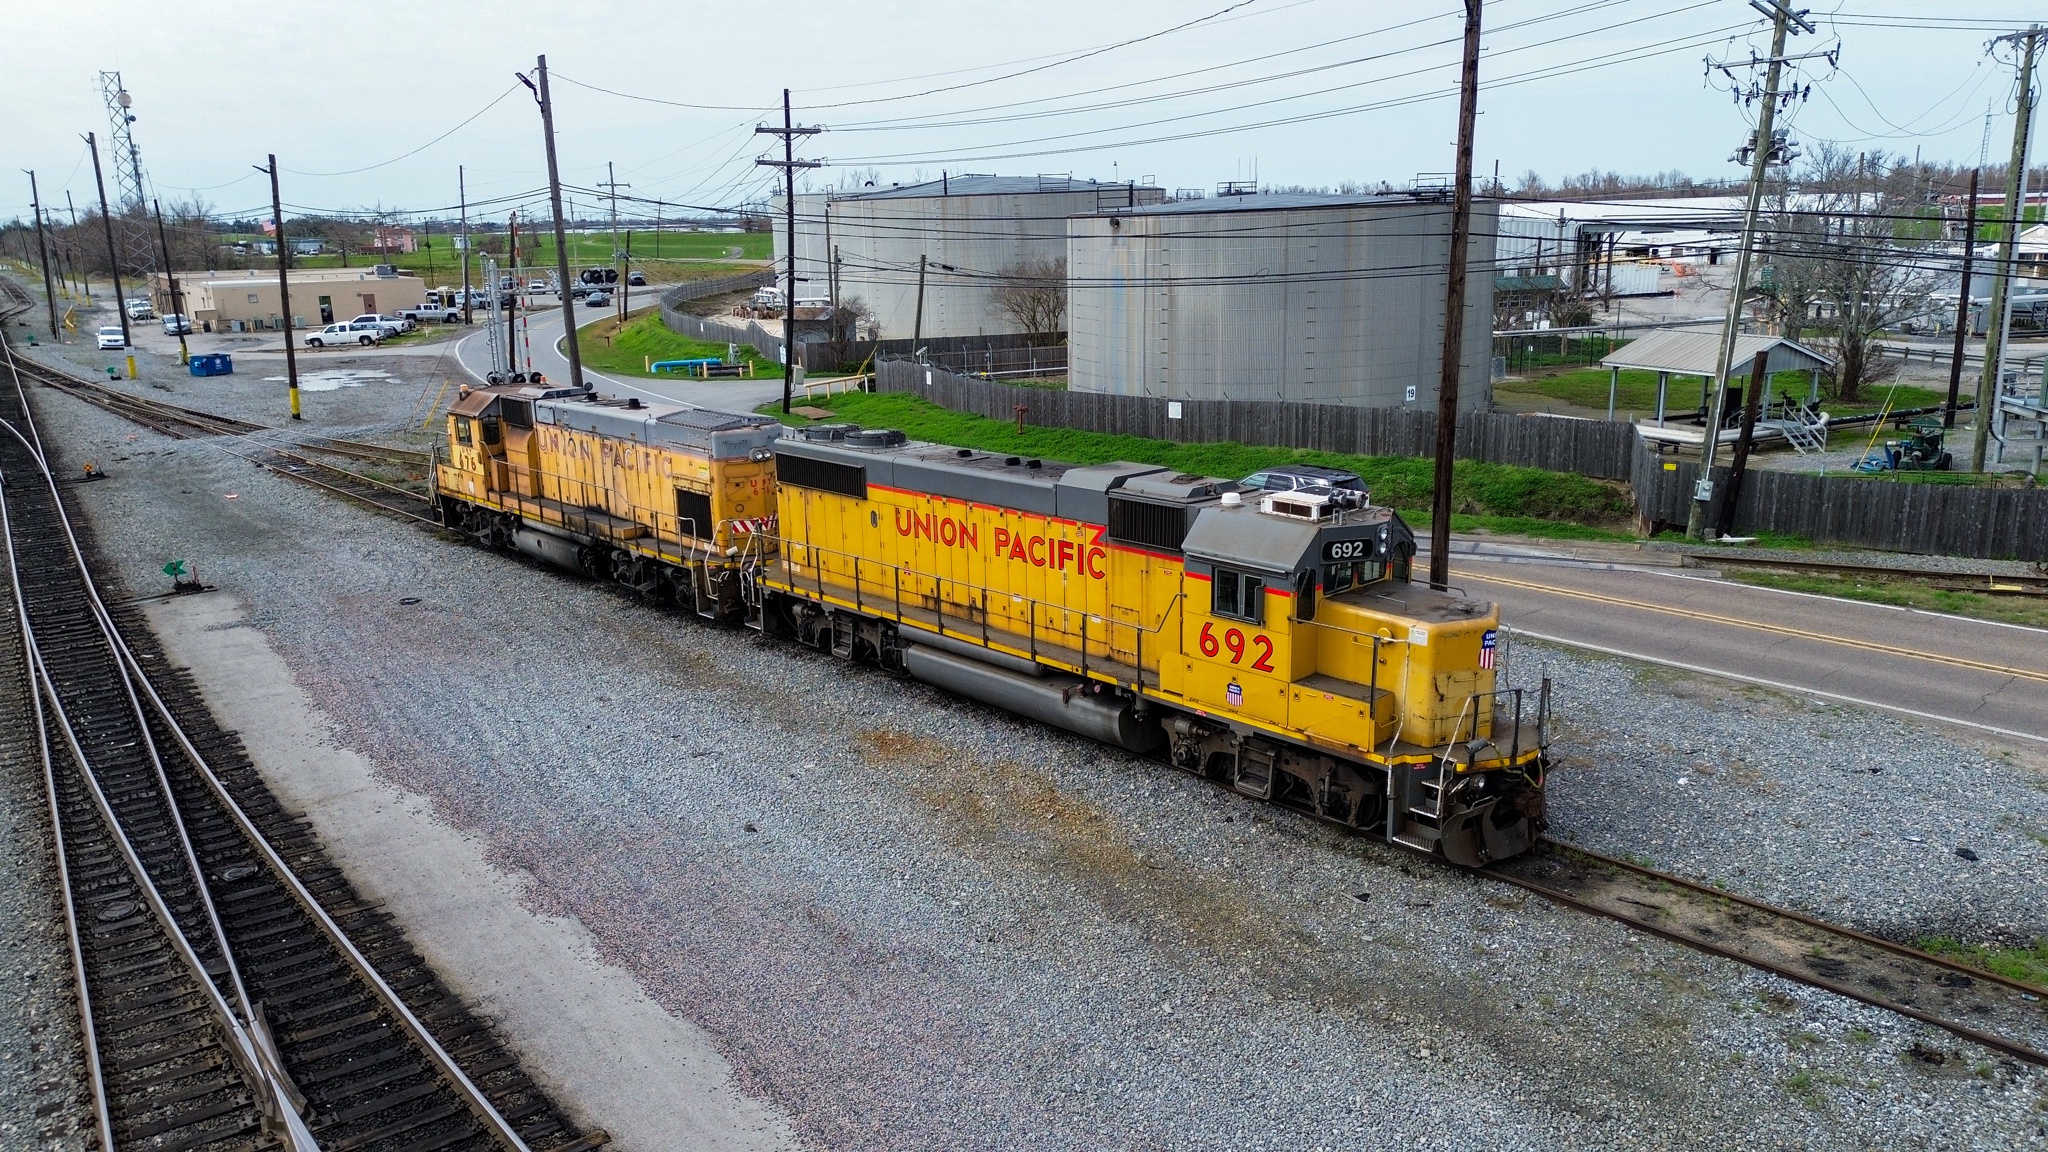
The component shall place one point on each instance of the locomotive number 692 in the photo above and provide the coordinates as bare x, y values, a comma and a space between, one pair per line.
1338, 551
1234, 641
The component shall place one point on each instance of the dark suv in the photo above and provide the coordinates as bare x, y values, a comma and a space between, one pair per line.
1289, 477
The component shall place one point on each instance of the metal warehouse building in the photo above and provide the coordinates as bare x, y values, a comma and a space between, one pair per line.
1306, 297
971, 229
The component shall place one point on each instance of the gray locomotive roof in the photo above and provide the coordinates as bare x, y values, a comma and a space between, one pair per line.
719, 435
1241, 536
1069, 491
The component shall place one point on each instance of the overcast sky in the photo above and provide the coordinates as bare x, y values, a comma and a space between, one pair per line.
1185, 92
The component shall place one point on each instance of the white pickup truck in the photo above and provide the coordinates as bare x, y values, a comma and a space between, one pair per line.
392, 325
440, 313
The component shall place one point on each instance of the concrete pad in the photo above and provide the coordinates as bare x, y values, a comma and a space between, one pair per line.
586, 1031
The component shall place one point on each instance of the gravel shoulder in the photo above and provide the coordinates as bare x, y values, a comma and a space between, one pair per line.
911, 922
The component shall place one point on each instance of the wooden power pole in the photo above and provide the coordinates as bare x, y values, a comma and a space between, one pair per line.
1995, 323
113, 254
284, 287
1454, 309
1955, 363
547, 124
789, 164
35, 201
1782, 17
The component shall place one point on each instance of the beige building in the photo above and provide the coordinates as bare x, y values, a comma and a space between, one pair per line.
244, 301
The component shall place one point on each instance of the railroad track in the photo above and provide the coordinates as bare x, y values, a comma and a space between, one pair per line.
2003, 1015
234, 991
256, 443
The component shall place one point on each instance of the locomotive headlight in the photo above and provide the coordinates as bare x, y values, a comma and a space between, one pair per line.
761, 455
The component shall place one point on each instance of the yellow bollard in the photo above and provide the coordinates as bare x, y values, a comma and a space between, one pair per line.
131, 366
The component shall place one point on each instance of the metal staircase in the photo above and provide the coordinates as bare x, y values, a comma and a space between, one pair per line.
1805, 429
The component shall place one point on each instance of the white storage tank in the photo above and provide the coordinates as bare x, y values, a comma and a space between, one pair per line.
1291, 296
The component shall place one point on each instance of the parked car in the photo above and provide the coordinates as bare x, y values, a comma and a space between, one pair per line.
112, 337
175, 324
364, 334
636, 279
140, 309
396, 324
598, 299
533, 286
442, 313
1289, 477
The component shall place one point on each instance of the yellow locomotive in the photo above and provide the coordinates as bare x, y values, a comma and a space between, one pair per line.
1271, 641
659, 497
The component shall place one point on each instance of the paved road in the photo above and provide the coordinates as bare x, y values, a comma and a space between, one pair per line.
544, 330
1983, 675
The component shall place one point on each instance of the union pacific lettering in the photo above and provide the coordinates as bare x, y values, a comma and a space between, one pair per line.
1018, 547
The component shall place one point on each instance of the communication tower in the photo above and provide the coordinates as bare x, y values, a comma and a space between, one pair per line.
133, 233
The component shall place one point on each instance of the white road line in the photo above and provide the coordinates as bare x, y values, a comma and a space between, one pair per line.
1792, 689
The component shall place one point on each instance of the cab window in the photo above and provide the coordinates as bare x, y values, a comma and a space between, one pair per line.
463, 435
1344, 577
490, 424
1238, 595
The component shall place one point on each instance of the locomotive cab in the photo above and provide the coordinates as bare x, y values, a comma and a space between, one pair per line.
1311, 623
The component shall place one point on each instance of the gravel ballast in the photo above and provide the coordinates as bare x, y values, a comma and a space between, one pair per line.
912, 922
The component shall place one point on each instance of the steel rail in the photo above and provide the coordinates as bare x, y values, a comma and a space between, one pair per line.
254, 1069
88, 1033
1511, 872
129, 666
1736, 560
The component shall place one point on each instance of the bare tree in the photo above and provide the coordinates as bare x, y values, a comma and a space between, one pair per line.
1843, 270
1033, 294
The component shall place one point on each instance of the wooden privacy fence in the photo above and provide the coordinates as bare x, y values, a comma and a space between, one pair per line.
1590, 448
1937, 519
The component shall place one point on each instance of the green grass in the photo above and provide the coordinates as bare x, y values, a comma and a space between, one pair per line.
1587, 388
2027, 965
606, 348
1491, 497
1904, 594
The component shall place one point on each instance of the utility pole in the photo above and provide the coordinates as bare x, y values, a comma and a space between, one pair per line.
284, 287
1955, 363
917, 325
84, 277
1782, 20
35, 201
1995, 321
547, 123
611, 184
170, 272
92, 145
462, 198
1454, 309
789, 164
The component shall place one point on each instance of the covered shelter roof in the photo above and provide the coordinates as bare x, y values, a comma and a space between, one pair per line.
1695, 353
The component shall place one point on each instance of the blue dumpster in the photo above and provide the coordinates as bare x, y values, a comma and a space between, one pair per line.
213, 364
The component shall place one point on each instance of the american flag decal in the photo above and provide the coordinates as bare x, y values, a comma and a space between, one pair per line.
1486, 648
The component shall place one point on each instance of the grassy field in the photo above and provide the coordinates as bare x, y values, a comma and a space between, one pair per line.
666, 256
1490, 497
1904, 594
608, 349
1587, 388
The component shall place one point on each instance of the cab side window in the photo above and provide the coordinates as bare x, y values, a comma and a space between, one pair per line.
1238, 595
463, 435
490, 424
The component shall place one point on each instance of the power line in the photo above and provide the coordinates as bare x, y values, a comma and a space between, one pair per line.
422, 148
